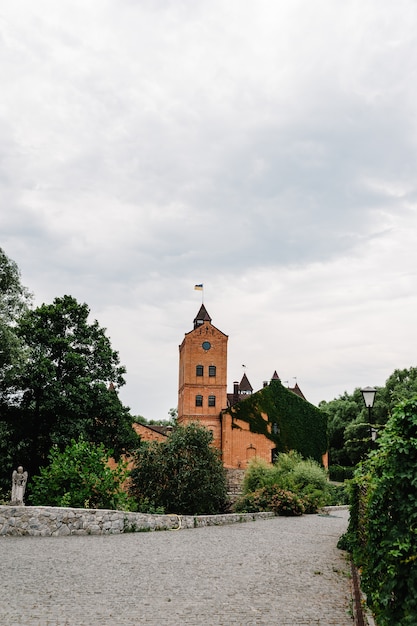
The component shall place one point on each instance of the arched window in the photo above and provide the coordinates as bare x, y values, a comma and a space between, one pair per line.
199, 400
212, 370
199, 370
250, 452
212, 400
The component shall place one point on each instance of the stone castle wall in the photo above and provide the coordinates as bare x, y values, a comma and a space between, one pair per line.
45, 521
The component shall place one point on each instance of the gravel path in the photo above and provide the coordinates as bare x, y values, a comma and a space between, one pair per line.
277, 571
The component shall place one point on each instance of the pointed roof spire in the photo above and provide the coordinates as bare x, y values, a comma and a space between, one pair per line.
245, 385
275, 376
201, 317
296, 389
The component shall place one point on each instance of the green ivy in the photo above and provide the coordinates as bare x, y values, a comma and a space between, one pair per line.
383, 527
292, 424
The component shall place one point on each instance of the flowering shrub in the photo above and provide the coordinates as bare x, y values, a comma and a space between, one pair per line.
270, 498
304, 478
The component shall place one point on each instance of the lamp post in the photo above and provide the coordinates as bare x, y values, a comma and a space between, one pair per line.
368, 395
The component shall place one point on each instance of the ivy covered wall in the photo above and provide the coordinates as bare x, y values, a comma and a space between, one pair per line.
292, 423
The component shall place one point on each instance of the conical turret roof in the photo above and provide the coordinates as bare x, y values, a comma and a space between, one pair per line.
245, 385
201, 317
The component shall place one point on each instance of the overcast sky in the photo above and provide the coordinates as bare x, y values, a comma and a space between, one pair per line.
266, 149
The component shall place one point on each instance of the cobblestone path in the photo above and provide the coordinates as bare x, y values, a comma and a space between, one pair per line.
277, 571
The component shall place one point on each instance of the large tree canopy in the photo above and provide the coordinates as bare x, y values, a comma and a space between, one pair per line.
183, 475
348, 418
14, 297
67, 387
14, 300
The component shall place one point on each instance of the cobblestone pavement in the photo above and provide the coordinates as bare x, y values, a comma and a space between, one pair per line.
277, 571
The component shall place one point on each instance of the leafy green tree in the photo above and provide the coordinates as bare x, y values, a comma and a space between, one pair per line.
139, 419
183, 475
349, 422
358, 440
80, 476
68, 385
173, 413
14, 300
340, 413
400, 386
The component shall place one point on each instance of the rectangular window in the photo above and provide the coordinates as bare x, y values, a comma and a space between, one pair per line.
212, 400
199, 400
212, 370
199, 370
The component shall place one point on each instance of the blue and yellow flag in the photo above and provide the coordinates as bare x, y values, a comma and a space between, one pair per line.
199, 287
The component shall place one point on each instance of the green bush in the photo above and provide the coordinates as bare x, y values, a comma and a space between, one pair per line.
308, 475
147, 506
80, 477
313, 499
258, 474
286, 462
340, 473
287, 503
304, 478
338, 495
247, 503
270, 498
383, 528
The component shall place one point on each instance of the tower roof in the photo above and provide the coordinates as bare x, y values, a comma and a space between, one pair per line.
201, 317
245, 384
297, 391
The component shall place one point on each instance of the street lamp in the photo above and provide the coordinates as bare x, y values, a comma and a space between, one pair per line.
368, 395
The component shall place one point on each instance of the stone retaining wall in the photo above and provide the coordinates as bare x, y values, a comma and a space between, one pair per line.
45, 521
234, 480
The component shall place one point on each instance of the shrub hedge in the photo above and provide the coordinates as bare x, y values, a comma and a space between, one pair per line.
382, 532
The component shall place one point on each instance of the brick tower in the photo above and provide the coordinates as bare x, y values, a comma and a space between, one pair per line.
202, 388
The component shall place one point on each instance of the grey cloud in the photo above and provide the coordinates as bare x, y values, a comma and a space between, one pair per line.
268, 147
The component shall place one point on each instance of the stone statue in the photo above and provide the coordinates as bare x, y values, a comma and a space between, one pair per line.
19, 480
